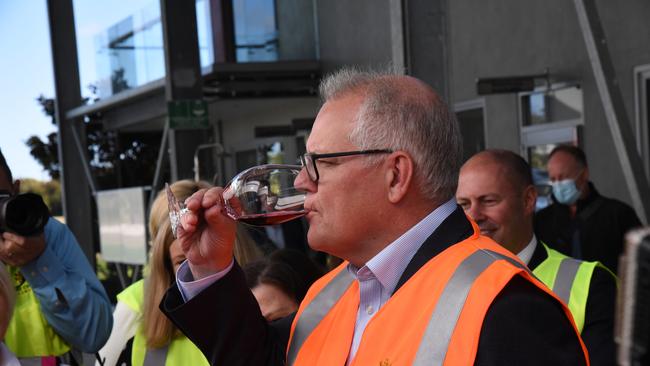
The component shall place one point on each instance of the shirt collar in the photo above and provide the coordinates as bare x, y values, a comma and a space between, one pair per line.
527, 253
389, 264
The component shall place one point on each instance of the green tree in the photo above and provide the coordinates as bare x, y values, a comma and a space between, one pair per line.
46, 153
116, 159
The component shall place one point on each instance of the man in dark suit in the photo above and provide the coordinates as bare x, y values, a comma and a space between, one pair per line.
580, 222
380, 177
495, 188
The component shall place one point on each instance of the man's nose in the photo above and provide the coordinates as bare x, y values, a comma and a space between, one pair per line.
475, 213
303, 182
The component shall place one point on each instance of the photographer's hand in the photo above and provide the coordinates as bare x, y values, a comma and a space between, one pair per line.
19, 250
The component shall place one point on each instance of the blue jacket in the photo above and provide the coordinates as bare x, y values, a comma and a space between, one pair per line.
72, 299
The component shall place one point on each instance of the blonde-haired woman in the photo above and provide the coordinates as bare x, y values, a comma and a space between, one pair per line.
7, 301
156, 340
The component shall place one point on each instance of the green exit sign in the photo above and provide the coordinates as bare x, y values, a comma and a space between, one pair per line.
188, 114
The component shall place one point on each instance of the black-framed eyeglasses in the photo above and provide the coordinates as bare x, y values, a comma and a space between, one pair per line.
308, 160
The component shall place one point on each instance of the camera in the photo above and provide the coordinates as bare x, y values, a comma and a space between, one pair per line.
24, 214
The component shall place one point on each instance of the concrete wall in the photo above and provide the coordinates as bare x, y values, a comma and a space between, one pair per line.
426, 39
522, 37
296, 29
500, 121
354, 33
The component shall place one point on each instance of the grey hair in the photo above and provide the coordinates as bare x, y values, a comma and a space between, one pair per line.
7, 291
398, 117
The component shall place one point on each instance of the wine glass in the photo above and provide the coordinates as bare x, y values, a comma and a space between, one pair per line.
261, 195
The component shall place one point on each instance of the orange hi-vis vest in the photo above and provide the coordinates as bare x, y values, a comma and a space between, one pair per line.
435, 318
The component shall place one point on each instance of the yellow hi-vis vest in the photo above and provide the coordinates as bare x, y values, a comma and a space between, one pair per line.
181, 351
29, 334
569, 278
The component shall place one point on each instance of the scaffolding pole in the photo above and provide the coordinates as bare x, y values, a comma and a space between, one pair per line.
612, 101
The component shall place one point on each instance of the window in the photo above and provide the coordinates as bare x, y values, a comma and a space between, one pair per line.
120, 44
556, 105
256, 34
270, 30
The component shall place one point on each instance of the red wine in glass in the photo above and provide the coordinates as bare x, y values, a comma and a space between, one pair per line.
261, 195
273, 218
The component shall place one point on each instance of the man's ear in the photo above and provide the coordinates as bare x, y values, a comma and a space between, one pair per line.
399, 175
16, 186
530, 199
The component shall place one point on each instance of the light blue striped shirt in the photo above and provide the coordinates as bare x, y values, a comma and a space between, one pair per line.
379, 277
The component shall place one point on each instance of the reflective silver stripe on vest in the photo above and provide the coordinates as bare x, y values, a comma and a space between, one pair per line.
566, 274
435, 342
38, 361
511, 261
156, 356
316, 311
30, 361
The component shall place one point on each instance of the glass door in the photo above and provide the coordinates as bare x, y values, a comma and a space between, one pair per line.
548, 118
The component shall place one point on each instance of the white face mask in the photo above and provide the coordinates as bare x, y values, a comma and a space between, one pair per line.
565, 191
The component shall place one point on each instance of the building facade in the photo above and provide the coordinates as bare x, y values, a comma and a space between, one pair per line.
259, 62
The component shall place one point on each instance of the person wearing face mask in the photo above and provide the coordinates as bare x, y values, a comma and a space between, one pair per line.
581, 223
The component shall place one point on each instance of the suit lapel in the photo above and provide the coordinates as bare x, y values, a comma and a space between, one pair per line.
455, 228
539, 256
